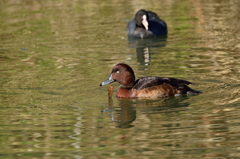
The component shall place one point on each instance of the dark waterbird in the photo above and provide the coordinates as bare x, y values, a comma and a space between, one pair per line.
145, 87
146, 24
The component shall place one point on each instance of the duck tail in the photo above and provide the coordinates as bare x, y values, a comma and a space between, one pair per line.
184, 89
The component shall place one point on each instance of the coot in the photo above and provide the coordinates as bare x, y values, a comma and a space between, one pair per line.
146, 24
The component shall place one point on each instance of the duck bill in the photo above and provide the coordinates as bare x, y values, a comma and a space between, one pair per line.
108, 81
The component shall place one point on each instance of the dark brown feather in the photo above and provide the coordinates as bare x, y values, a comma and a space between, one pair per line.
145, 82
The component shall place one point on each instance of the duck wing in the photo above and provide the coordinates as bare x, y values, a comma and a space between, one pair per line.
150, 81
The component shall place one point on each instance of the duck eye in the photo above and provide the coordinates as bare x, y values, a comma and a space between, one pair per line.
117, 71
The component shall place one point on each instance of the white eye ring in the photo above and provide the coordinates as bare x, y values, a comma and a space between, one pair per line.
117, 71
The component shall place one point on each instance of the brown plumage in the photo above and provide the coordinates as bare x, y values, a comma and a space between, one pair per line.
145, 87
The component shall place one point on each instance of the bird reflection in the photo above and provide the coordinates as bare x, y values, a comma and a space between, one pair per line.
124, 113
143, 47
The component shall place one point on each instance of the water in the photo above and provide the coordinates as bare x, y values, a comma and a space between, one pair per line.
54, 55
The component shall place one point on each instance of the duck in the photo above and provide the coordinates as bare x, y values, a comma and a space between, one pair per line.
145, 87
146, 24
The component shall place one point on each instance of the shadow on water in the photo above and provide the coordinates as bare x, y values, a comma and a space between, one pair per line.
124, 113
143, 47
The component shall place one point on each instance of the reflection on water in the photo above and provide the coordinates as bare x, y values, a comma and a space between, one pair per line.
54, 54
172, 127
143, 47
124, 113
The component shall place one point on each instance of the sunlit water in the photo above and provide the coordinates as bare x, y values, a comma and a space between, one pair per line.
54, 55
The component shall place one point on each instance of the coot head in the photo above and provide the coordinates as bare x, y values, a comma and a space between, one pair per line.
141, 18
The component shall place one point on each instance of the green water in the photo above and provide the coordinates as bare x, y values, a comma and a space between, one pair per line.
54, 55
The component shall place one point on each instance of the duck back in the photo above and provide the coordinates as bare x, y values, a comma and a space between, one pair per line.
177, 84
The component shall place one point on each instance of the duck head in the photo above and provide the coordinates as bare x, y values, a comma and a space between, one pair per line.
123, 74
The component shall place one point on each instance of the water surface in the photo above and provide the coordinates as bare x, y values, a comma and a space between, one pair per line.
54, 55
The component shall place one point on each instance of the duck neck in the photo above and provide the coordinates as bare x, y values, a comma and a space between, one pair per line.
125, 87
125, 92
129, 81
